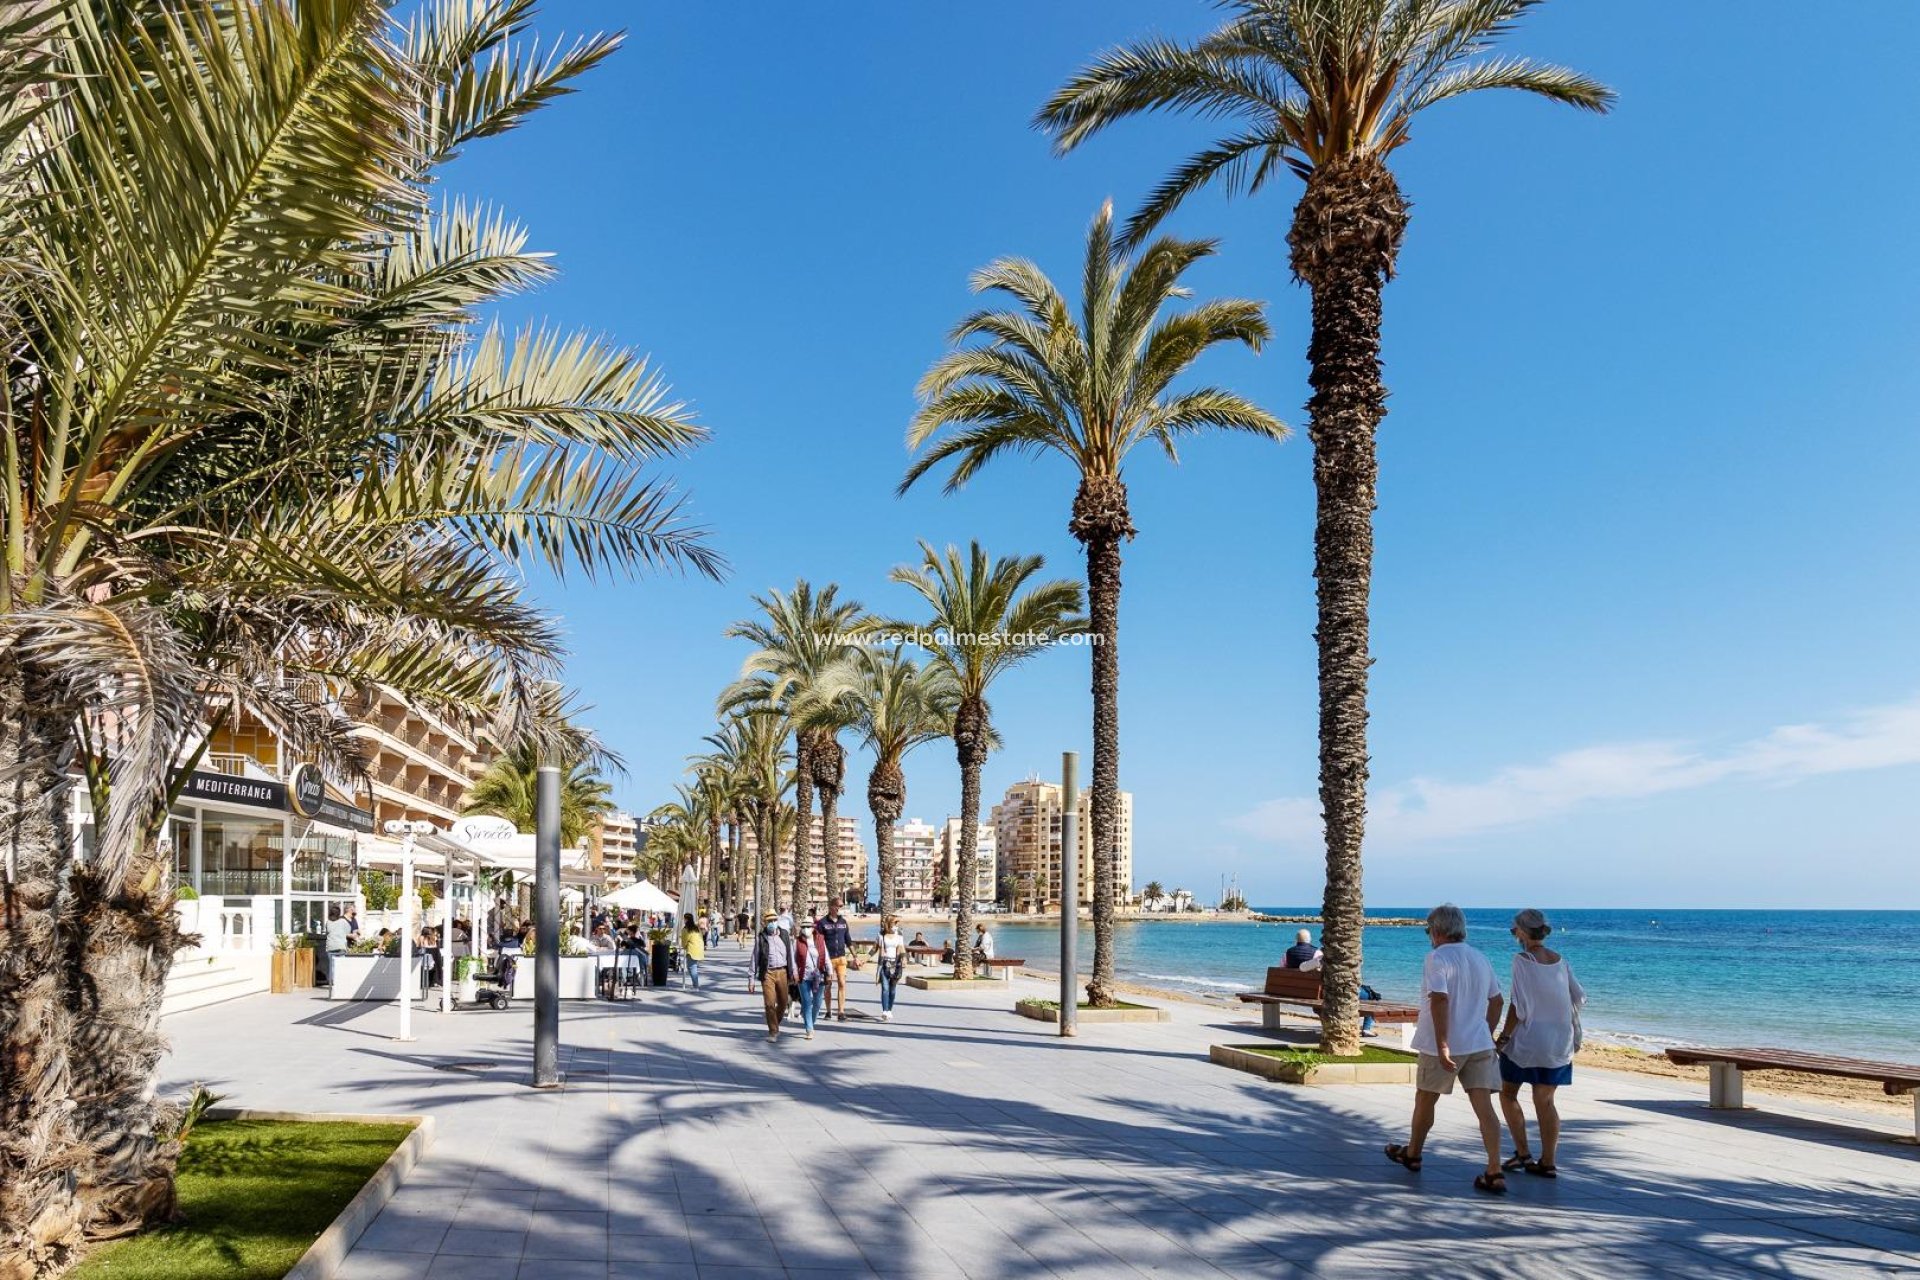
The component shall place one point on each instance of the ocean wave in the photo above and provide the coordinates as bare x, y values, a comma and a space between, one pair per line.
1188, 979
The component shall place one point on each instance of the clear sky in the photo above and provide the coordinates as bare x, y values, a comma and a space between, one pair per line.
1645, 610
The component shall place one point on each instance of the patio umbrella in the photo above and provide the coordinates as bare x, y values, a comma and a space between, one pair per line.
643, 896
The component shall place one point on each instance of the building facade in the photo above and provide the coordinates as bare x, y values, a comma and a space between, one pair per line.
1027, 827
616, 842
916, 865
986, 859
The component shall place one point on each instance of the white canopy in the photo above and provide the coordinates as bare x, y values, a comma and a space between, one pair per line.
644, 896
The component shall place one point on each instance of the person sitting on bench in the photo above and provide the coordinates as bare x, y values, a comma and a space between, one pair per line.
1303, 955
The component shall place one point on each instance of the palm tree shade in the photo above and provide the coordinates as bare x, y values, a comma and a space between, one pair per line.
1325, 90
985, 619
262, 450
1090, 386
508, 788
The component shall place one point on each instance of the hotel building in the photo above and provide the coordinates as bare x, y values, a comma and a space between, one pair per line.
1027, 829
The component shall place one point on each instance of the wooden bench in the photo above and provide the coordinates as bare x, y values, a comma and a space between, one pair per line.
1725, 1068
1301, 987
1008, 965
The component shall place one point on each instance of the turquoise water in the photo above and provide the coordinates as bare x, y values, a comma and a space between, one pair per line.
1839, 981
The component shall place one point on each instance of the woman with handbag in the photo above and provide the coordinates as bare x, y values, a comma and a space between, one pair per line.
1538, 1043
892, 958
810, 969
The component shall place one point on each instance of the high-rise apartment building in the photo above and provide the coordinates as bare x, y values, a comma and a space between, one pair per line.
986, 859
1027, 829
916, 861
850, 868
617, 838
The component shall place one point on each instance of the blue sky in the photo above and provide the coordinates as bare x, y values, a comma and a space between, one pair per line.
1645, 594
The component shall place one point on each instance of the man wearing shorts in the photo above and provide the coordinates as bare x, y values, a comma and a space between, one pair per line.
1459, 1007
833, 927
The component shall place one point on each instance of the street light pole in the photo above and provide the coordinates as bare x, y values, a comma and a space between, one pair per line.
407, 831
546, 929
1069, 894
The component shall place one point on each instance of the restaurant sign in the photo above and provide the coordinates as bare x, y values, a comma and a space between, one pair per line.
307, 795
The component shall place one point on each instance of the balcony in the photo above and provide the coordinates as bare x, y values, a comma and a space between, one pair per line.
235, 764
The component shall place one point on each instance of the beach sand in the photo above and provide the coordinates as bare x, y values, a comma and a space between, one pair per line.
1862, 1094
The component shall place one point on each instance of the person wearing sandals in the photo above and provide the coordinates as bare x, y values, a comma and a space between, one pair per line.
1538, 1043
1459, 1008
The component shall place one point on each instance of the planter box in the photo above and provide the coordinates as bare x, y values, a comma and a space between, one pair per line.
303, 967
370, 978
578, 977
1040, 1011
282, 981
1269, 1067
936, 983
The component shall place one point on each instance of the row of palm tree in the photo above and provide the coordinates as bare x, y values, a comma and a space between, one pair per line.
261, 451
822, 665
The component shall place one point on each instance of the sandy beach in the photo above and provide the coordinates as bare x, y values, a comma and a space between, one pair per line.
1863, 1094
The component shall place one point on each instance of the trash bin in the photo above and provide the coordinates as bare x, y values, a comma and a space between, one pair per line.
660, 958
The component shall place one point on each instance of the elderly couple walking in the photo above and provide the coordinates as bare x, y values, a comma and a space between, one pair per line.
806, 965
1460, 1004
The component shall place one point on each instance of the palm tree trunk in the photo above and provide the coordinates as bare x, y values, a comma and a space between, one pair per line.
829, 771
970, 744
1346, 233
1101, 522
40, 1219
733, 894
802, 821
887, 798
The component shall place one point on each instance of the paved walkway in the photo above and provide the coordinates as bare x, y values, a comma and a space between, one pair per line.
960, 1140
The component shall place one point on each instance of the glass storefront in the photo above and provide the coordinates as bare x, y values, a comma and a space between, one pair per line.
239, 856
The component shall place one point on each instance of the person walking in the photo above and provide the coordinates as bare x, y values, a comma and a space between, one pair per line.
773, 969
811, 967
891, 961
693, 946
338, 930
1460, 1005
1538, 1043
839, 939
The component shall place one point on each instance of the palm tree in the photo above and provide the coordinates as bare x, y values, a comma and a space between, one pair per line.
800, 637
510, 785
1326, 89
895, 705
261, 452
985, 621
1036, 378
749, 748
1152, 894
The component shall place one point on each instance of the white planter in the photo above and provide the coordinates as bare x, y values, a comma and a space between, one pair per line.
469, 989
578, 975
371, 978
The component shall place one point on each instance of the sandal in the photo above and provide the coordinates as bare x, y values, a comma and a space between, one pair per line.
1398, 1154
1494, 1184
1539, 1170
1518, 1160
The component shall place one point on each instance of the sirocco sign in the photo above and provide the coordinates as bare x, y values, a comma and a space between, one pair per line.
307, 796
482, 830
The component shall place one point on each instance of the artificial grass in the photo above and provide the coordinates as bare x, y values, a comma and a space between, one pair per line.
254, 1195
1117, 1004
1368, 1053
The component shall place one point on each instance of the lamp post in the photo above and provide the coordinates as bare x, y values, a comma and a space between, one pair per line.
546, 928
408, 831
1069, 894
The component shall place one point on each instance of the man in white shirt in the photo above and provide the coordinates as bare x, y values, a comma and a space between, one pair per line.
1459, 1007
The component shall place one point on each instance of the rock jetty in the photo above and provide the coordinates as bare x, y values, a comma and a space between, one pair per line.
1396, 922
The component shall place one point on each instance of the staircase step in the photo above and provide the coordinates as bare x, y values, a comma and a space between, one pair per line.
211, 979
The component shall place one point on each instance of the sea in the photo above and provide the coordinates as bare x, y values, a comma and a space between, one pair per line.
1845, 982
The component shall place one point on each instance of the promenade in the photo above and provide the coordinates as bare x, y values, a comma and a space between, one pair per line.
962, 1141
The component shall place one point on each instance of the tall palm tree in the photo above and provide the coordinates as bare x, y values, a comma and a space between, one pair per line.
510, 786
799, 636
1039, 378
750, 747
259, 450
984, 621
1328, 90
895, 705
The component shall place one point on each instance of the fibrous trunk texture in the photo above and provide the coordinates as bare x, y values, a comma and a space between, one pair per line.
1101, 522
1345, 236
82, 969
802, 820
970, 745
829, 772
887, 798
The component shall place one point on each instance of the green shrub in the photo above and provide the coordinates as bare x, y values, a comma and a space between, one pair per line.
185, 893
379, 890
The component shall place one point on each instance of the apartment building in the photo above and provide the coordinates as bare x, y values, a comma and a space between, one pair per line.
850, 867
616, 843
986, 859
1027, 829
916, 863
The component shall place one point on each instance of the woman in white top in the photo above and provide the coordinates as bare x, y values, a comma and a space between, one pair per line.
893, 958
1538, 1043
